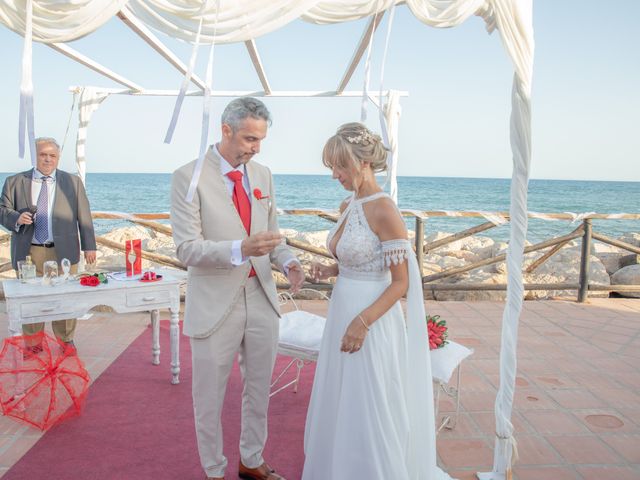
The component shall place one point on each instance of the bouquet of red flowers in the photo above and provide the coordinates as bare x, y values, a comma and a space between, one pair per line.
438, 332
93, 280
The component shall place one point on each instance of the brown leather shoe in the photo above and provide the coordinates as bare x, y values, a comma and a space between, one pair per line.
263, 472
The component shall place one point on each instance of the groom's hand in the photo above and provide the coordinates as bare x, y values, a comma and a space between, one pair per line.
260, 244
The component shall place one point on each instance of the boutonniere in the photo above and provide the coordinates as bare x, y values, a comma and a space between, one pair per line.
258, 194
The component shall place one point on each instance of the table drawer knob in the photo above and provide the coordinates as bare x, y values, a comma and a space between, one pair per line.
148, 299
48, 309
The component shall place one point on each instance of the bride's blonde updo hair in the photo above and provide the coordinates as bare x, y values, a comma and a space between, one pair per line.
351, 146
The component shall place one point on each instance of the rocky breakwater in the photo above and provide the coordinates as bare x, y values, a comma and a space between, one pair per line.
609, 265
562, 267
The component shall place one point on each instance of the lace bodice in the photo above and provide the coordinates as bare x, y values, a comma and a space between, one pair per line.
359, 251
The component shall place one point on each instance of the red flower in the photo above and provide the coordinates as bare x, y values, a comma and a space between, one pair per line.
437, 332
258, 194
90, 281
150, 276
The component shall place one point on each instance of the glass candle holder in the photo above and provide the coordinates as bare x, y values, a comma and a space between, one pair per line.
66, 268
49, 272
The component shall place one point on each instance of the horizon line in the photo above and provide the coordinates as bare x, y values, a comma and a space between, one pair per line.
399, 176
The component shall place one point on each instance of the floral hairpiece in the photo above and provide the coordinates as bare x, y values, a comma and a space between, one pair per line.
360, 139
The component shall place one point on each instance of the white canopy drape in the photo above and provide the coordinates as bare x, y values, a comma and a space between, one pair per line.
56, 21
90, 100
241, 20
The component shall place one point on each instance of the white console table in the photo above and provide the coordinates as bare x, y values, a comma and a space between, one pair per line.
34, 303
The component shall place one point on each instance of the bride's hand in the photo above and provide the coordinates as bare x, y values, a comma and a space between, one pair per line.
320, 271
353, 338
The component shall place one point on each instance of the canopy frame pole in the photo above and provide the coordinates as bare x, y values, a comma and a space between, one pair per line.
257, 64
93, 65
359, 52
154, 42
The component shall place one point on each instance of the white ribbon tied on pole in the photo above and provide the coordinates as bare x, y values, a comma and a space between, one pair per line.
206, 107
367, 68
183, 88
26, 117
204, 134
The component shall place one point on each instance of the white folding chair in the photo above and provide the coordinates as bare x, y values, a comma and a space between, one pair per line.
444, 361
300, 337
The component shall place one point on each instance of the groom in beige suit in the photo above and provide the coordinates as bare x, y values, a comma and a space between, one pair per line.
228, 237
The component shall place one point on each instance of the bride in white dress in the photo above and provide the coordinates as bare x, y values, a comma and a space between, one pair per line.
371, 412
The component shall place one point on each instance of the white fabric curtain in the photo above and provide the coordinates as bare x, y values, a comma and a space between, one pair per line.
90, 100
56, 21
421, 454
392, 111
241, 20
328, 11
514, 21
445, 13
238, 20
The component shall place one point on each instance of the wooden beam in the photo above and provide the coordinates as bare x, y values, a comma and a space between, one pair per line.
158, 227
458, 236
555, 249
308, 248
93, 65
154, 257
257, 64
359, 52
143, 32
499, 258
615, 243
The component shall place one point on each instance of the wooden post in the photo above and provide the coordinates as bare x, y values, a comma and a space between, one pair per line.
585, 262
420, 243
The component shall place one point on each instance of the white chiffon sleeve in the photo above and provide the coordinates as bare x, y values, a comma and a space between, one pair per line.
395, 251
421, 454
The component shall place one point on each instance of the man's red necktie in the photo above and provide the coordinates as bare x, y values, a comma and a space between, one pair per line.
242, 203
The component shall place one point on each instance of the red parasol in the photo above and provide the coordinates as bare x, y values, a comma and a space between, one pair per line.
41, 386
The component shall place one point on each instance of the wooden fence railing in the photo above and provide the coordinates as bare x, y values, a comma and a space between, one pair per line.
583, 231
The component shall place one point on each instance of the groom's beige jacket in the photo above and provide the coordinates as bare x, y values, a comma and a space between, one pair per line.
204, 230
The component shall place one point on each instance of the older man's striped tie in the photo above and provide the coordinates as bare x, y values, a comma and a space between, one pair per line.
42, 213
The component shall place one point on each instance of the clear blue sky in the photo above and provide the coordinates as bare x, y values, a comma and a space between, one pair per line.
454, 123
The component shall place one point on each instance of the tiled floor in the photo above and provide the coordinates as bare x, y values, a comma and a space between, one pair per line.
100, 340
576, 406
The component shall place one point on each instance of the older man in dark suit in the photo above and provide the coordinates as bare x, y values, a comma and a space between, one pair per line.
45, 209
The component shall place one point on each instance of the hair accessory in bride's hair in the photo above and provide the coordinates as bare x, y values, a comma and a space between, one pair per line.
365, 136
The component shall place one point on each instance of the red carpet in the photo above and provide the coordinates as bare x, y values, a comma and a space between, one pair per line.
136, 425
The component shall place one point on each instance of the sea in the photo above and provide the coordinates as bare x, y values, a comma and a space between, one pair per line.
150, 192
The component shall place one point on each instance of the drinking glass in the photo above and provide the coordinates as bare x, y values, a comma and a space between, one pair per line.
49, 272
20, 264
26, 271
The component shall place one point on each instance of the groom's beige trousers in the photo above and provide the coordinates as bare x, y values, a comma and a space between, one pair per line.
251, 329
